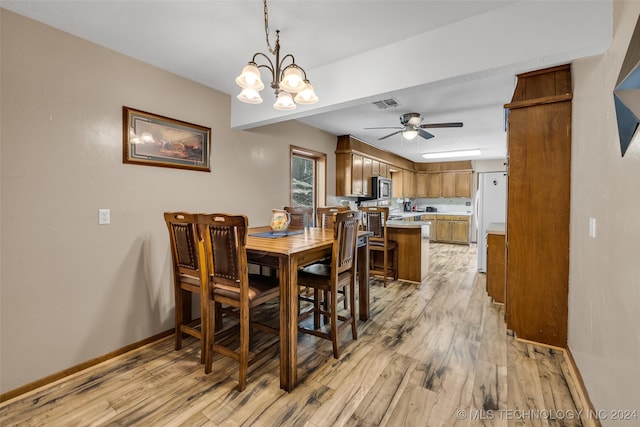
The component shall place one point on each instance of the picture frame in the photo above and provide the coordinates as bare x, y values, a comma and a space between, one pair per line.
154, 140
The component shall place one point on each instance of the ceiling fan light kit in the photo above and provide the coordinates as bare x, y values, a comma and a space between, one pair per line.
410, 134
286, 80
411, 127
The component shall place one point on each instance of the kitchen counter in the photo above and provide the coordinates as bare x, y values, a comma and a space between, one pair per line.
398, 223
403, 215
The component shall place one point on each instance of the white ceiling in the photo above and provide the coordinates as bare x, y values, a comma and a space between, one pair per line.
450, 60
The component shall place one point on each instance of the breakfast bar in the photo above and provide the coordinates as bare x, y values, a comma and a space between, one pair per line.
413, 248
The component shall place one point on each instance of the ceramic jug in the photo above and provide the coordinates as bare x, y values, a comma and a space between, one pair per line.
280, 220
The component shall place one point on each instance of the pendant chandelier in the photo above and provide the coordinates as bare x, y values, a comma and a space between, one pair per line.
289, 82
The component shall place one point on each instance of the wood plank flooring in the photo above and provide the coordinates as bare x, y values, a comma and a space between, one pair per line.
432, 355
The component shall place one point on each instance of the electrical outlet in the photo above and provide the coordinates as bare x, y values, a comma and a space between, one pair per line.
592, 227
104, 216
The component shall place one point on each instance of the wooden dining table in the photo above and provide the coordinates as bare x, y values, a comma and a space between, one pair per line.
287, 254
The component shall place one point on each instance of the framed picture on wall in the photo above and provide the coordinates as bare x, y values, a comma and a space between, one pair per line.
153, 140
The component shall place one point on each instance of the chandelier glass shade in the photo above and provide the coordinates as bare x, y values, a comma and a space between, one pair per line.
288, 80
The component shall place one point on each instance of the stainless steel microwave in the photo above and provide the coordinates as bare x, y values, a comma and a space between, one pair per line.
380, 188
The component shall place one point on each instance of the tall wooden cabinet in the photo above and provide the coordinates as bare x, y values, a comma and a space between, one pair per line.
539, 166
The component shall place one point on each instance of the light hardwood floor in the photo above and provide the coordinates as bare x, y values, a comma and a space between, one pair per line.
434, 355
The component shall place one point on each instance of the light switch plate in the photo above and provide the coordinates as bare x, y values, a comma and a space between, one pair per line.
592, 227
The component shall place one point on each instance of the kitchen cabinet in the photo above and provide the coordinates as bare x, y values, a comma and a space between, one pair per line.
403, 184
432, 228
397, 184
353, 175
422, 189
375, 168
384, 170
448, 183
367, 168
434, 184
538, 196
452, 184
463, 184
357, 162
452, 229
496, 263
379, 168
409, 183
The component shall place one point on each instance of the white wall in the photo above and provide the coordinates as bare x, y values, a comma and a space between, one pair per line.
72, 290
604, 276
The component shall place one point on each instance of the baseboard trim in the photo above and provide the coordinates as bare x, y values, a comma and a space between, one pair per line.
580, 394
82, 366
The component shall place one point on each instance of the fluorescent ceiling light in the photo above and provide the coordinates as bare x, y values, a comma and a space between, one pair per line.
443, 154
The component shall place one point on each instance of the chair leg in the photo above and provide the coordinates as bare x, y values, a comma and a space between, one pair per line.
385, 259
352, 297
244, 347
325, 305
204, 316
178, 317
218, 316
210, 339
395, 264
334, 323
316, 308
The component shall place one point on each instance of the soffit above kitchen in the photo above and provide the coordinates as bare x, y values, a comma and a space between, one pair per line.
448, 60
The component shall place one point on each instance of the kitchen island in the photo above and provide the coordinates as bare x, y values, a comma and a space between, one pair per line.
413, 248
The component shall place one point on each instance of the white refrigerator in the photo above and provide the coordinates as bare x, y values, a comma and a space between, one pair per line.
490, 206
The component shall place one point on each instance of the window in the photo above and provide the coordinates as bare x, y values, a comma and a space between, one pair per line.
308, 177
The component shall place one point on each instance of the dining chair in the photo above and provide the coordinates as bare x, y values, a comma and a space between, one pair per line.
230, 285
301, 216
339, 274
375, 220
189, 276
325, 216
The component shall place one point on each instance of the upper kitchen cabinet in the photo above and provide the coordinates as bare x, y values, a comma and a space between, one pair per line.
357, 162
409, 183
379, 168
456, 184
462, 182
349, 175
404, 184
434, 184
441, 182
421, 185
538, 195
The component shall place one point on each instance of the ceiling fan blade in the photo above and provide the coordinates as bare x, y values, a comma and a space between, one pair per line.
388, 127
391, 134
424, 134
441, 125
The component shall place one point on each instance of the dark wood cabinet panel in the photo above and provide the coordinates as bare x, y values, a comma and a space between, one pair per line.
539, 149
496, 267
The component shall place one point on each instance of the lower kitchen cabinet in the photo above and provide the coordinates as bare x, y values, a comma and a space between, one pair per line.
496, 265
452, 229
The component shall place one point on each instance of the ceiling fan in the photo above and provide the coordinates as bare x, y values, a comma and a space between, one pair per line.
411, 127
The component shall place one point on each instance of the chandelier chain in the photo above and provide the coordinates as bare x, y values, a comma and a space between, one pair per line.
266, 28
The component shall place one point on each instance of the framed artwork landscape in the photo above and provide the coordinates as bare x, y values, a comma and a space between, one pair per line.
154, 140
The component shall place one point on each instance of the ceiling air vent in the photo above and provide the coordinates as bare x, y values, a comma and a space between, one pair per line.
386, 103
